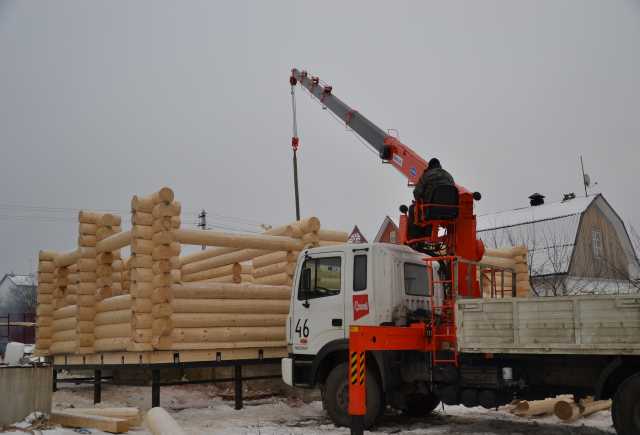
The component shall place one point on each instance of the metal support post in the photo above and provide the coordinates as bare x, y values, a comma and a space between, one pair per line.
237, 380
357, 391
155, 388
55, 381
97, 386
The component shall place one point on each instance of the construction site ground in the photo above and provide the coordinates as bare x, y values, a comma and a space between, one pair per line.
205, 409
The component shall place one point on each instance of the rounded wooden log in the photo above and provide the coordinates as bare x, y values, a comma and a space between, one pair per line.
85, 327
228, 334
45, 288
44, 298
142, 246
104, 293
333, 236
567, 410
87, 265
65, 259
508, 252
111, 344
47, 255
141, 321
142, 290
86, 313
115, 303
46, 277
87, 217
66, 335
237, 256
161, 310
214, 290
84, 240
132, 415
230, 306
162, 326
166, 223
274, 258
204, 320
163, 238
592, 407
159, 422
87, 276
65, 312
141, 218
46, 266
61, 347
142, 232
227, 279
142, 305
140, 261
308, 225
141, 275
231, 269
310, 239
203, 255
164, 252
277, 279
86, 300
166, 210
110, 220
273, 269
113, 330
231, 345
248, 241
161, 295
87, 288
537, 407
64, 324
89, 229
166, 279
104, 232
142, 335
115, 242
498, 262
70, 299
142, 203
164, 266
44, 310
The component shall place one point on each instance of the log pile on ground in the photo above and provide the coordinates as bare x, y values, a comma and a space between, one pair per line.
498, 267
564, 407
232, 295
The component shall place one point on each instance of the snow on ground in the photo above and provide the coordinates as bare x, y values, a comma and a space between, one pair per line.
200, 410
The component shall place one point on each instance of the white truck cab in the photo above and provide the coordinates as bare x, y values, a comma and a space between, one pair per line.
352, 284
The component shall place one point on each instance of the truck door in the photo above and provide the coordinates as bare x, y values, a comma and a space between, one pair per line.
318, 306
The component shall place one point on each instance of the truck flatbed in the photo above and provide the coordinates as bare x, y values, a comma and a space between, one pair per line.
574, 325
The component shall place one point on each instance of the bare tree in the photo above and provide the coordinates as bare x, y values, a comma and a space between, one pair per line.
20, 299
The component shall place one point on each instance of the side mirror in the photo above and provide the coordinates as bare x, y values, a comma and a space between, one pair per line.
305, 286
404, 209
305, 281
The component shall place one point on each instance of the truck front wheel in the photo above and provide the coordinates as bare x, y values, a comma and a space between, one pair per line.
626, 407
336, 397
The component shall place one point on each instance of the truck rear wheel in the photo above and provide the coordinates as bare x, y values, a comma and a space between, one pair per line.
336, 397
419, 405
626, 407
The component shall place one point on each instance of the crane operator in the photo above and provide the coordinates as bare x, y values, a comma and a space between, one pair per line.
432, 177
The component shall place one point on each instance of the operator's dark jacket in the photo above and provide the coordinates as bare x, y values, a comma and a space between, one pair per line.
428, 182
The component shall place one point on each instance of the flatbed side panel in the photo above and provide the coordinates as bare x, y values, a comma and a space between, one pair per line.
581, 325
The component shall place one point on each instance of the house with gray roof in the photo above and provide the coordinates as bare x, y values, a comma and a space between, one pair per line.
575, 246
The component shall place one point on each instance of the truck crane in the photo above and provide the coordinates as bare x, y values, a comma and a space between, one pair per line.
407, 326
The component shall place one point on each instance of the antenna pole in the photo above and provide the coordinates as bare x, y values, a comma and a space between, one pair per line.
584, 182
203, 223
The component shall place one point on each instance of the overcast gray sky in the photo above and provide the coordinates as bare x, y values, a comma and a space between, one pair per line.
103, 100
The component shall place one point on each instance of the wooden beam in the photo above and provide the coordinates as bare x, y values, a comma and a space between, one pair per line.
65, 259
215, 290
132, 415
247, 241
114, 242
76, 419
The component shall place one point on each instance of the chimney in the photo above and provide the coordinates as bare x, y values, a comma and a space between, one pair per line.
536, 199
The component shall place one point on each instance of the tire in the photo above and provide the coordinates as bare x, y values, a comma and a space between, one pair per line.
336, 397
626, 407
420, 405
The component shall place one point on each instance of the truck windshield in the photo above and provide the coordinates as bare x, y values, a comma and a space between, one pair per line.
415, 279
324, 278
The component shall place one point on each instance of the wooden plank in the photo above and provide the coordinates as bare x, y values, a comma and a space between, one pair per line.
132, 415
73, 419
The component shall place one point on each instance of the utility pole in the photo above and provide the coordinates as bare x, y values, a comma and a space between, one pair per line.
203, 223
